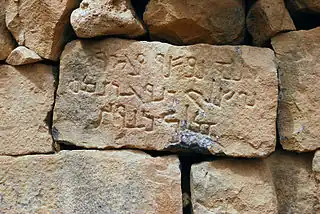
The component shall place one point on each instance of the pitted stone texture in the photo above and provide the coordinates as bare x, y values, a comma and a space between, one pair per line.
304, 5
41, 25
232, 186
196, 21
316, 165
89, 182
106, 17
7, 44
22, 56
297, 189
268, 18
149, 95
26, 99
299, 70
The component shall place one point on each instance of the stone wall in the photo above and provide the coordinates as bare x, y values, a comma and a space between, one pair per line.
159, 106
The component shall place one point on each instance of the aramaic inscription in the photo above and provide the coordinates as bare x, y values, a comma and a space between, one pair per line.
121, 93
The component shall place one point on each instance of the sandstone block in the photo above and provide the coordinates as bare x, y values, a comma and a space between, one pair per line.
211, 99
196, 21
268, 18
26, 98
7, 44
106, 17
296, 187
299, 71
41, 25
232, 186
22, 56
90, 182
316, 165
316, 162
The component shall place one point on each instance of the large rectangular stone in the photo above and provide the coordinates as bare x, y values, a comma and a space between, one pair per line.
118, 93
86, 182
26, 100
297, 189
298, 53
233, 186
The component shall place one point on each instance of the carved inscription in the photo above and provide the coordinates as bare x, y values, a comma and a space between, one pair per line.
116, 93
183, 91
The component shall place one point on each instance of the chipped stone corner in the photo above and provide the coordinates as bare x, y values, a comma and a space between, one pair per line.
190, 141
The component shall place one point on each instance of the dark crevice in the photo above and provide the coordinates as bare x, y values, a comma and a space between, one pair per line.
247, 36
27, 154
101, 38
68, 146
306, 21
191, 157
50, 62
278, 144
139, 7
303, 19
185, 167
49, 119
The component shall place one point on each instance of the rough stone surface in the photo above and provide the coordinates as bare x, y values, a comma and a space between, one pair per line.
316, 165
266, 19
40, 25
149, 95
299, 71
26, 98
90, 182
22, 56
106, 17
7, 43
196, 21
297, 189
232, 186
304, 5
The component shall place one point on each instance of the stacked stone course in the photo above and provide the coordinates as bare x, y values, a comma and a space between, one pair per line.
159, 106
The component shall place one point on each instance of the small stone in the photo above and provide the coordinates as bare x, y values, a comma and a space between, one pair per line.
22, 56
116, 93
41, 26
295, 184
7, 43
106, 17
266, 19
196, 21
232, 186
26, 99
299, 71
90, 182
316, 165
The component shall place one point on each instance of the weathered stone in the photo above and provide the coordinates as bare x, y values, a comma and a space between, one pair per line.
90, 182
22, 56
7, 44
299, 70
304, 5
196, 21
41, 25
149, 95
268, 18
26, 98
297, 190
232, 186
316, 165
106, 17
